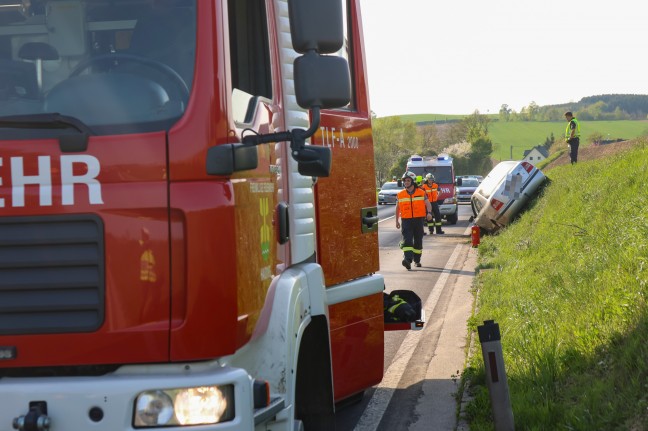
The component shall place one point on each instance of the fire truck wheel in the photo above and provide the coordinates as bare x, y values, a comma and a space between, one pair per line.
352, 400
314, 385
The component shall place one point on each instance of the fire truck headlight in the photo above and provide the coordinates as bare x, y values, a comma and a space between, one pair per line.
205, 405
452, 200
153, 408
184, 406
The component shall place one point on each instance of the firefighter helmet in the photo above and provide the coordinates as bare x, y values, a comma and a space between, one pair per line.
430, 177
410, 175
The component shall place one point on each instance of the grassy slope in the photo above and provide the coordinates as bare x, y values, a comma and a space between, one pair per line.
568, 285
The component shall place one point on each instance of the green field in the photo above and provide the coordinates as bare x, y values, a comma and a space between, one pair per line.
524, 135
511, 139
437, 118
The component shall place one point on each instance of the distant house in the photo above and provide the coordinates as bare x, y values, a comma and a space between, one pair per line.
535, 155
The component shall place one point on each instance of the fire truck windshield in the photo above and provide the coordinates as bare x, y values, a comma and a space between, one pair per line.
118, 66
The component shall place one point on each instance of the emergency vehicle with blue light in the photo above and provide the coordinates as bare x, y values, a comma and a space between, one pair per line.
442, 168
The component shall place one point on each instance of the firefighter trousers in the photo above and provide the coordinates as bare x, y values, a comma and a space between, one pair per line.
412, 242
437, 218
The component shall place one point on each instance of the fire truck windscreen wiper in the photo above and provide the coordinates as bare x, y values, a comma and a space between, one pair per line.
69, 142
45, 121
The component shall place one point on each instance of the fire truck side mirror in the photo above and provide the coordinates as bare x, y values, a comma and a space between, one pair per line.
225, 159
322, 80
312, 160
316, 25
316, 28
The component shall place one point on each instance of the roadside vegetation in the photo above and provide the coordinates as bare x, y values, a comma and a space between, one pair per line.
568, 284
466, 140
476, 141
511, 139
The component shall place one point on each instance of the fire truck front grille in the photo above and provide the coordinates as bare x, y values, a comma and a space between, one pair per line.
51, 274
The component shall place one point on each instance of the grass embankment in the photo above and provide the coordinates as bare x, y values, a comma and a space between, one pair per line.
568, 284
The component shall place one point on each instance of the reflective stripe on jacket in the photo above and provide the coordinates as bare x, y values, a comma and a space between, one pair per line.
413, 205
432, 192
576, 131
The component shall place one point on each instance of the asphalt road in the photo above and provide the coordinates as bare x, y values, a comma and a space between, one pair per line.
421, 367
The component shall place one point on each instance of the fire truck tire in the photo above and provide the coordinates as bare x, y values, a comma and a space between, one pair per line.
350, 401
452, 218
314, 405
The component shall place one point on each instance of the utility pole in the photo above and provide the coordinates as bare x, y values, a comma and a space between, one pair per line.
511, 152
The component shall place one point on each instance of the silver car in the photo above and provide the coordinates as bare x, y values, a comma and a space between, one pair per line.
466, 189
388, 192
504, 193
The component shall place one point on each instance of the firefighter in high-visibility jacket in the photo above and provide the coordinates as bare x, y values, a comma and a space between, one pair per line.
572, 136
432, 190
413, 206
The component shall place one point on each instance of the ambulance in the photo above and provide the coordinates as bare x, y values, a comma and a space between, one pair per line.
442, 168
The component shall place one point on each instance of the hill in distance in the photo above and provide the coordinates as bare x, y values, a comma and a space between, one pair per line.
605, 107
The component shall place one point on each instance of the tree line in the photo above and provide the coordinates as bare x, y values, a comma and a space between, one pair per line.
606, 107
466, 140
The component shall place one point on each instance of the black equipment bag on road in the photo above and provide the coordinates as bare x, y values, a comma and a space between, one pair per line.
401, 306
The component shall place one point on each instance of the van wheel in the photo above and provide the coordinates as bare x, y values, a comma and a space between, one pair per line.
452, 218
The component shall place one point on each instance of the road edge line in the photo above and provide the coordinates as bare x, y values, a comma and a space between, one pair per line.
384, 392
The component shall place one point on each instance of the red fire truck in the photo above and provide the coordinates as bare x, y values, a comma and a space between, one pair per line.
182, 240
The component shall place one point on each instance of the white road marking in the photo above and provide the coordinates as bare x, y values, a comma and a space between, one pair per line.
387, 218
384, 392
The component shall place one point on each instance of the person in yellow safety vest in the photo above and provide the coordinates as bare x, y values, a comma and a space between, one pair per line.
572, 136
413, 206
432, 190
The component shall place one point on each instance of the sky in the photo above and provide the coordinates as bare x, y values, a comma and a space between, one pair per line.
458, 56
